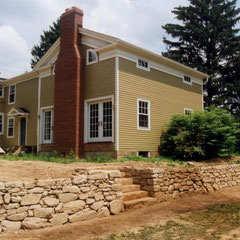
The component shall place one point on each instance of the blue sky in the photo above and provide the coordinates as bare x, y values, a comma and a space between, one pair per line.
136, 21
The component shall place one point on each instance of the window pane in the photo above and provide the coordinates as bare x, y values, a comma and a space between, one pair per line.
47, 125
1, 123
94, 120
12, 94
107, 119
10, 127
143, 114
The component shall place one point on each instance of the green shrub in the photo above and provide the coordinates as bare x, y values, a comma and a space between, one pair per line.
201, 135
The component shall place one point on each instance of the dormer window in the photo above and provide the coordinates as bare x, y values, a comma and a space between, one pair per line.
143, 64
187, 80
91, 57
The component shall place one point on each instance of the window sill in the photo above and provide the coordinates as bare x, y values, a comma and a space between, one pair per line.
143, 129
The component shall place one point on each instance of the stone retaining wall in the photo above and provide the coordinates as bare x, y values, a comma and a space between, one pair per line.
86, 195
164, 183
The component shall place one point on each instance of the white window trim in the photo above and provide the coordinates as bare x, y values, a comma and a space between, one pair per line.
14, 94
86, 119
143, 68
2, 132
8, 127
43, 109
149, 115
2, 96
187, 109
88, 51
186, 82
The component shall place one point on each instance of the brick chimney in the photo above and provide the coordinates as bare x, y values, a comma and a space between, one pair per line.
69, 84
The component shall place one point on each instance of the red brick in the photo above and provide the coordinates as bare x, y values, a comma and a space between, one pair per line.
69, 86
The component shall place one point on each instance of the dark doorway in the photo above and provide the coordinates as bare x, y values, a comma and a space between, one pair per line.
23, 131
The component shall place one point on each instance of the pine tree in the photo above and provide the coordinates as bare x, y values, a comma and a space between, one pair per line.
206, 40
47, 39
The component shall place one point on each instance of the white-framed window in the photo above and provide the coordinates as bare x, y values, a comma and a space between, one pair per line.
188, 111
1, 91
187, 80
10, 127
1, 123
92, 57
12, 94
99, 120
47, 126
143, 64
143, 114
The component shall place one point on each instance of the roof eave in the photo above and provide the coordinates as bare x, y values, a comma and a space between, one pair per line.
167, 61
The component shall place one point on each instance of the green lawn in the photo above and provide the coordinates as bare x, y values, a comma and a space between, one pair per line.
208, 224
51, 157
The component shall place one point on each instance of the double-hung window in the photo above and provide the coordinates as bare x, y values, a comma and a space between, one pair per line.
10, 126
100, 121
143, 114
12, 94
47, 133
1, 123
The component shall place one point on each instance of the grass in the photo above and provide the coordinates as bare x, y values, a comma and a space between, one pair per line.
208, 224
52, 157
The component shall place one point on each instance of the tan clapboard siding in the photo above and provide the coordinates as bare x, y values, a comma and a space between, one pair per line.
167, 94
100, 79
47, 91
26, 97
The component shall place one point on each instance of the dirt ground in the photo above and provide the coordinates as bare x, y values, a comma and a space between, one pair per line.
131, 220
30, 170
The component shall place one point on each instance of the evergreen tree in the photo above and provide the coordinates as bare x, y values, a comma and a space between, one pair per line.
47, 39
206, 40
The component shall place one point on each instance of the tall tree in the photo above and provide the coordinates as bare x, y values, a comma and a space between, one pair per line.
206, 39
47, 39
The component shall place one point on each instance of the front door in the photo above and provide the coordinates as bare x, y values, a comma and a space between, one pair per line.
23, 131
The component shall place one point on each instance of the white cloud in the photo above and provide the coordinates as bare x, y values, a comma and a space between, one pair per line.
135, 21
14, 52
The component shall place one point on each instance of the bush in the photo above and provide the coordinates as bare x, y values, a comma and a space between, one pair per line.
202, 135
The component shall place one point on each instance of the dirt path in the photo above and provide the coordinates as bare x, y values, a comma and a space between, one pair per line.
130, 220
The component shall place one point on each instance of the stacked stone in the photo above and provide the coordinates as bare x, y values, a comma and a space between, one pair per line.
173, 183
220, 177
86, 195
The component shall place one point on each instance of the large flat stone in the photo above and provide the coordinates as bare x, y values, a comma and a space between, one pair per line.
18, 216
116, 206
84, 215
73, 207
31, 199
67, 197
34, 223
71, 189
51, 202
44, 212
59, 219
9, 226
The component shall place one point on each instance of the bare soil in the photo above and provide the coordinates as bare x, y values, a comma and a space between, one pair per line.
28, 170
130, 220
